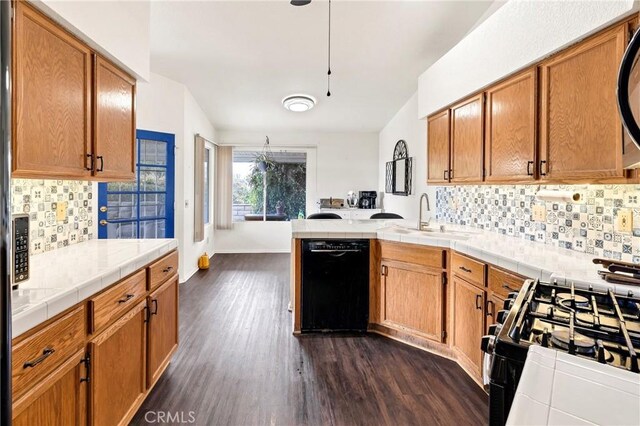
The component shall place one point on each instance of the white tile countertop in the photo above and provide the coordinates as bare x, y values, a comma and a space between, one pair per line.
561, 389
64, 277
528, 258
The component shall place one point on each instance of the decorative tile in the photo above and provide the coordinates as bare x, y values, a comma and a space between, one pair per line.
39, 198
586, 227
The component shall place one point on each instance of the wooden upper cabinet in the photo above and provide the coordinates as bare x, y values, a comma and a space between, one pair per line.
114, 122
438, 144
510, 129
52, 99
467, 140
580, 130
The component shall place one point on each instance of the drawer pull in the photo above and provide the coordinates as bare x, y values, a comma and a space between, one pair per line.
506, 287
478, 301
45, 354
155, 307
463, 269
126, 298
167, 269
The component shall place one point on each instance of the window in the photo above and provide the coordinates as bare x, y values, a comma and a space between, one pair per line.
206, 204
286, 179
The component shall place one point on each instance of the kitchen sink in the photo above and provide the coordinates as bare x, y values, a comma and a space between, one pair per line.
435, 232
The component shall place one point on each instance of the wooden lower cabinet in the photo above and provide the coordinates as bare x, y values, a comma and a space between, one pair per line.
163, 329
412, 297
468, 321
118, 374
60, 399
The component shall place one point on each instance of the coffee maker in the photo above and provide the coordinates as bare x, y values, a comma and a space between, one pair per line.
367, 199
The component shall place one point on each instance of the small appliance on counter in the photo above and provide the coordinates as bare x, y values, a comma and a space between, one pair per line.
20, 239
331, 203
598, 325
352, 200
367, 199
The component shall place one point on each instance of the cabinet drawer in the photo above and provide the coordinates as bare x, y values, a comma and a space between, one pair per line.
161, 270
116, 301
467, 268
413, 253
39, 354
502, 283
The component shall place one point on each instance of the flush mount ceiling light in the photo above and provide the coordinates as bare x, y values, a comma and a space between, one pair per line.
299, 103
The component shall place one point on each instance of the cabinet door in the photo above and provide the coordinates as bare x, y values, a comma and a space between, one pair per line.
467, 124
493, 305
114, 122
580, 131
118, 369
468, 320
510, 129
163, 329
60, 399
438, 128
52, 99
412, 298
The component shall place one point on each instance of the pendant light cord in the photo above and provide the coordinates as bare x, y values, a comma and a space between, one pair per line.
329, 55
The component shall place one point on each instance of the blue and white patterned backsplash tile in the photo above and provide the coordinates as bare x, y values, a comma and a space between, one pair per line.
586, 226
39, 199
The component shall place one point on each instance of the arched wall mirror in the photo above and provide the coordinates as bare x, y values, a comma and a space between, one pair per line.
399, 171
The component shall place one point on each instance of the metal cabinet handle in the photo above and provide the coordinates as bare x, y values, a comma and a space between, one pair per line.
126, 298
90, 157
479, 301
467, 270
147, 314
46, 353
506, 287
543, 167
491, 313
446, 172
101, 158
87, 366
167, 269
450, 174
155, 305
384, 271
529, 171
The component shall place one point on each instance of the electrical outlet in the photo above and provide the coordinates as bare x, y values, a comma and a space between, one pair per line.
624, 220
61, 211
539, 213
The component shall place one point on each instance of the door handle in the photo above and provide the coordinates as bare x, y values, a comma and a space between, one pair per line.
155, 306
103, 222
490, 313
103, 209
478, 301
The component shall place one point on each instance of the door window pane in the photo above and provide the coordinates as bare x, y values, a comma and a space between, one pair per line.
122, 230
153, 152
121, 206
152, 205
152, 179
152, 228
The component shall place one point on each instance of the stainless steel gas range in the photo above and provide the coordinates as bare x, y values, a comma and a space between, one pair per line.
595, 324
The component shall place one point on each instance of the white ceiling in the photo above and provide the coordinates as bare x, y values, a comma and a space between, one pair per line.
240, 58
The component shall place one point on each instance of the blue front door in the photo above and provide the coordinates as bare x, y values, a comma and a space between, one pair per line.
144, 208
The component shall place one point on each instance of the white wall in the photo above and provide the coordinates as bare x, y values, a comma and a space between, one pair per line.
167, 106
404, 125
518, 34
120, 30
343, 162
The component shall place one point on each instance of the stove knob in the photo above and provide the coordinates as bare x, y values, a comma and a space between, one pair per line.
494, 329
501, 316
487, 344
507, 304
512, 295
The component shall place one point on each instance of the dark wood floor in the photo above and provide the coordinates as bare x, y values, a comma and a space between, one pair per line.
239, 364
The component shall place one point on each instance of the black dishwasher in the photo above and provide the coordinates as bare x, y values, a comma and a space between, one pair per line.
335, 285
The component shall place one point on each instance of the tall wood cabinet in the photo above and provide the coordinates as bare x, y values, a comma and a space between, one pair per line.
163, 329
438, 144
467, 140
52, 82
73, 111
118, 357
510, 129
580, 130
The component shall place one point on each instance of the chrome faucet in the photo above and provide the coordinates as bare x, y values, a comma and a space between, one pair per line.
422, 225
